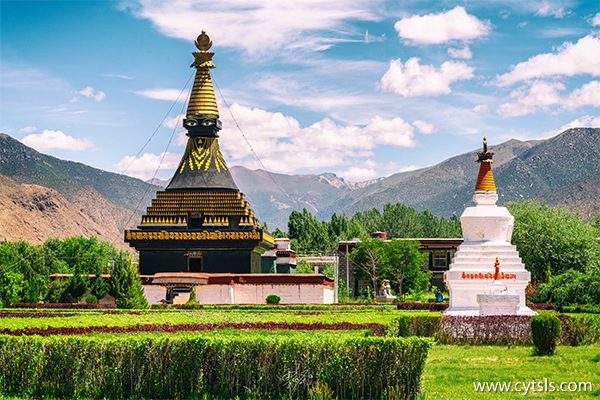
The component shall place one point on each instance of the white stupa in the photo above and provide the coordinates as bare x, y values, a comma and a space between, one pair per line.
487, 230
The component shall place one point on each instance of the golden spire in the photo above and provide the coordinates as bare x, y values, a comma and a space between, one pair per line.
485, 178
203, 103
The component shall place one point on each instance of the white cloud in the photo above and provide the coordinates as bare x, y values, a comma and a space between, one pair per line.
455, 24
464, 53
55, 140
174, 122
541, 95
586, 95
91, 93
585, 121
357, 174
413, 79
145, 166
164, 94
595, 21
373, 38
284, 146
570, 59
258, 26
424, 127
547, 10
481, 108
529, 98
119, 76
28, 129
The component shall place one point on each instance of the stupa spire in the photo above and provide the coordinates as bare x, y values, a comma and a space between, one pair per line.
202, 116
485, 179
202, 166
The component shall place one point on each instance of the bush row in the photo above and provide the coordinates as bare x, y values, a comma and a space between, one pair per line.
35, 314
422, 306
502, 329
358, 307
375, 329
82, 306
193, 366
443, 306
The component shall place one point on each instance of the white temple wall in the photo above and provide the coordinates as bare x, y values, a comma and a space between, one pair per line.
251, 293
154, 293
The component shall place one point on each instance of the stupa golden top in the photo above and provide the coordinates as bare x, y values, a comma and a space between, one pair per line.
485, 179
201, 211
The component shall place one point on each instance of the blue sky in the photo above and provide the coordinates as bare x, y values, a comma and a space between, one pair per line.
361, 89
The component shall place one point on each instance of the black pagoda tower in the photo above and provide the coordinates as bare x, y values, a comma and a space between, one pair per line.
200, 222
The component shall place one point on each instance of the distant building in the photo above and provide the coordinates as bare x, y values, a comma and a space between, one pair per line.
440, 251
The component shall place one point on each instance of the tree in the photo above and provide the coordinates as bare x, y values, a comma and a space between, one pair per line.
99, 288
553, 236
304, 267
75, 288
404, 265
129, 292
368, 256
278, 233
309, 235
11, 286
570, 287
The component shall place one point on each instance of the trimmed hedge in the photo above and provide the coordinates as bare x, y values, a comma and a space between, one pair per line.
193, 366
503, 329
422, 306
80, 306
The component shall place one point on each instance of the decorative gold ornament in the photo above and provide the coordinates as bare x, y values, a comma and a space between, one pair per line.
203, 42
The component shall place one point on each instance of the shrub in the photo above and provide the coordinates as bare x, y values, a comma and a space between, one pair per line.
208, 367
580, 329
492, 329
422, 306
193, 303
91, 299
273, 299
545, 332
422, 325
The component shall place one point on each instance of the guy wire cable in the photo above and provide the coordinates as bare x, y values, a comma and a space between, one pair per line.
248, 143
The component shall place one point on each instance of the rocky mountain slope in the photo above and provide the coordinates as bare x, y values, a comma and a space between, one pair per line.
43, 196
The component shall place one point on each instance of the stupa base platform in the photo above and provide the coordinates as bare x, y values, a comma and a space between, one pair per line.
476, 312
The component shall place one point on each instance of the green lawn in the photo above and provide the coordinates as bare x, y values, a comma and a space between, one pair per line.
216, 315
450, 371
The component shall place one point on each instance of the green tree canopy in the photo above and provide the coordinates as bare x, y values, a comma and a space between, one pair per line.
553, 236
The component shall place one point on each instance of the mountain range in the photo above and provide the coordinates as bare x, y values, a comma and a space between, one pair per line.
43, 196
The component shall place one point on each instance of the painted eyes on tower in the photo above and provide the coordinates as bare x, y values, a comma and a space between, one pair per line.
208, 122
191, 122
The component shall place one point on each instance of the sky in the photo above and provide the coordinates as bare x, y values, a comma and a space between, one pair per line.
361, 89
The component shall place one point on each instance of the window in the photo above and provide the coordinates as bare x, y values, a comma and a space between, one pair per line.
440, 260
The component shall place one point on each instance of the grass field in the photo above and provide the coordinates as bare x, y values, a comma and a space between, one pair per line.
451, 371
78, 318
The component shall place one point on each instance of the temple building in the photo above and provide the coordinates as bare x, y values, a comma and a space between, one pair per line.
200, 223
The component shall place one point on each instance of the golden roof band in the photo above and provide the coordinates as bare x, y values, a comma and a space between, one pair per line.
202, 235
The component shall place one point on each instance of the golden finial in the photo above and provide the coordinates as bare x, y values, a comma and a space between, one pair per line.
485, 156
203, 42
